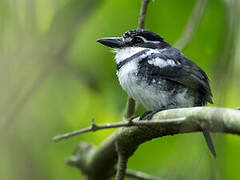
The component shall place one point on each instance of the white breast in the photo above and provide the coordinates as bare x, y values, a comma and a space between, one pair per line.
139, 90
144, 94
128, 76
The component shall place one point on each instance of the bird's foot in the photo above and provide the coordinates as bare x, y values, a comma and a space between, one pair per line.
149, 114
131, 118
144, 115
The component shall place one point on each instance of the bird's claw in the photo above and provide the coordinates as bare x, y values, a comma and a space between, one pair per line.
149, 114
145, 115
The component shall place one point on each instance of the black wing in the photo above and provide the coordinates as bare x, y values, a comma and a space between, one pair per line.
184, 72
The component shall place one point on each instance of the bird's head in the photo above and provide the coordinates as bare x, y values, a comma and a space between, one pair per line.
135, 38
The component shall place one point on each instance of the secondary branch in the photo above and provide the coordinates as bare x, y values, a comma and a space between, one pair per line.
94, 127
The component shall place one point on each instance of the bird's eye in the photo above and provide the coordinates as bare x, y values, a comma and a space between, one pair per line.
137, 40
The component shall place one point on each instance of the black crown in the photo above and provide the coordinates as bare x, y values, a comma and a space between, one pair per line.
149, 35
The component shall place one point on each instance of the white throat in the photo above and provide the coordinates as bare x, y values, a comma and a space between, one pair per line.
127, 52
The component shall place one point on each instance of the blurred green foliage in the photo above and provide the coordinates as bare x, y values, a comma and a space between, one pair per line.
55, 78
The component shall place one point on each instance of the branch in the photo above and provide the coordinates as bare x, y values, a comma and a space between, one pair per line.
99, 162
192, 24
94, 127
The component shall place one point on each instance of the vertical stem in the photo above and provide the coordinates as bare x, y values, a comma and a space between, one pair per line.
130, 108
121, 167
142, 15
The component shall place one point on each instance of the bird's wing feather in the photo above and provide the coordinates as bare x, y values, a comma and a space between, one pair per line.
180, 69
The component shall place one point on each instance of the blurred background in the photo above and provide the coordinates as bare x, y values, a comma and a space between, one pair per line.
55, 78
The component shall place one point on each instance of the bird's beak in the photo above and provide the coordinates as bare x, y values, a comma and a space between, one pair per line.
113, 42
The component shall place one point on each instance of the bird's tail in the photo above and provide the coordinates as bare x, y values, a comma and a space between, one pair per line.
209, 141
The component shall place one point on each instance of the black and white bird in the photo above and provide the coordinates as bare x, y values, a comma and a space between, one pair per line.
157, 75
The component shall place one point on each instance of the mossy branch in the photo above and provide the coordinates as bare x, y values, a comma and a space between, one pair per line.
98, 163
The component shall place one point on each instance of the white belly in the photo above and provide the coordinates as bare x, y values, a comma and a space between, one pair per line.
150, 96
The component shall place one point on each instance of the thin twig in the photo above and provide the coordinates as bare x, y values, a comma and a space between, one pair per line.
192, 24
90, 129
140, 175
142, 15
94, 127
